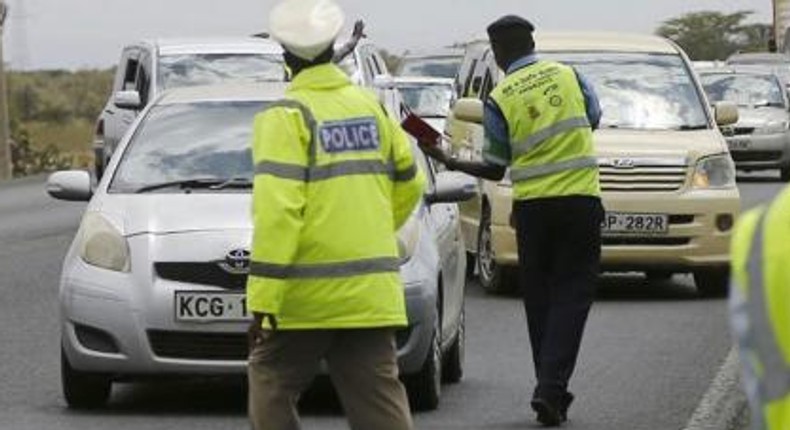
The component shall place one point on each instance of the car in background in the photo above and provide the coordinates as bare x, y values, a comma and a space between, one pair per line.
429, 98
154, 281
768, 62
760, 140
667, 179
148, 68
436, 63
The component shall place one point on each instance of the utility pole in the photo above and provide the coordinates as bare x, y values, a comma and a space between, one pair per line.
6, 168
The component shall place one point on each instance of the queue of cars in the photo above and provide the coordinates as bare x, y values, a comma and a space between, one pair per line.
153, 283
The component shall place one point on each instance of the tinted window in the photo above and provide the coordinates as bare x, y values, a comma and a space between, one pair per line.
641, 91
187, 141
745, 90
445, 67
207, 69
427, 100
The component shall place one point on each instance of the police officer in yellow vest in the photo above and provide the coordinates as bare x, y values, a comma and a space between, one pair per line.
335, 179
538, 122
760, 309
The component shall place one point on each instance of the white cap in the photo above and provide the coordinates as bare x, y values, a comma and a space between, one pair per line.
306, 28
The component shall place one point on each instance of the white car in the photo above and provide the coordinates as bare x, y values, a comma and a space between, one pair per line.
154, 281
429, 98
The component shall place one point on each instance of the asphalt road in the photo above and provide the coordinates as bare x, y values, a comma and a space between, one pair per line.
649, 354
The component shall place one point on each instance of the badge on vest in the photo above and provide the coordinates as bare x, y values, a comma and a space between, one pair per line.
358, 134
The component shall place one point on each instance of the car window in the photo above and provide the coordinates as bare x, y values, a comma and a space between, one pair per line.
427, 100
467, 89
438, 67
144, 78
187, 141
744, 90
131, 68
641, 91
206, 69
488, 85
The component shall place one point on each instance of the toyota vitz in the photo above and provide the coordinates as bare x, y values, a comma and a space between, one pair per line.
667, 178
154, 281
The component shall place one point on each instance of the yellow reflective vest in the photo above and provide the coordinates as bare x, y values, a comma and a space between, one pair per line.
760, 309
335, 179
550, 135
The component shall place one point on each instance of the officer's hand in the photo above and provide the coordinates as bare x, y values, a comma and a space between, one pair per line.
255, 332
435, 152
359, 29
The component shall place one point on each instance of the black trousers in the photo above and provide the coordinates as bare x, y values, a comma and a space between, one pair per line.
559, 249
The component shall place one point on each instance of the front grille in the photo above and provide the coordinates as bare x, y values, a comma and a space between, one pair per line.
638, 241
755, 155
743, 130
200, 273
642, 175
198, 346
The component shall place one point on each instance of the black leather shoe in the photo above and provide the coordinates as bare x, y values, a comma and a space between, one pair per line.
548, 414
567, 399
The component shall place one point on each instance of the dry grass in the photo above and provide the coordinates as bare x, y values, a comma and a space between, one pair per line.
74, 138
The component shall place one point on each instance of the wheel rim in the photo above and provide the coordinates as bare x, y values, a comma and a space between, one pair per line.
486, 253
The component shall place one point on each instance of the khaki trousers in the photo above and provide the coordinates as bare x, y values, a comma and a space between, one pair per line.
363, 367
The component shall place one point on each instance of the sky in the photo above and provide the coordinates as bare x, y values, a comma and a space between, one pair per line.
76, 34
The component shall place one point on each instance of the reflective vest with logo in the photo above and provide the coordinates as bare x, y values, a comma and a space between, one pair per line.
760, 310
335, 179
550, 135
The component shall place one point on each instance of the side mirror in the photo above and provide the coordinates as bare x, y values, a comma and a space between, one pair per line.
452, 187
469, 110
726, 113
70, 185
128, 100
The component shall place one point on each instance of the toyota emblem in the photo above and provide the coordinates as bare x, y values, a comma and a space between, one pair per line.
237, 262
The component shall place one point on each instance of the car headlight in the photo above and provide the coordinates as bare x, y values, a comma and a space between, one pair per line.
717, 171
772, 128
408, 236
102, 245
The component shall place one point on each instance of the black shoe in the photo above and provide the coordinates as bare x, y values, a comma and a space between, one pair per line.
567, 399
548, 414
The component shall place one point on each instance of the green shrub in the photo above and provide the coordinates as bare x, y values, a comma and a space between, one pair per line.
27, 160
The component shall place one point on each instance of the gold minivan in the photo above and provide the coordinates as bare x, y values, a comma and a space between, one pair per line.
667, 178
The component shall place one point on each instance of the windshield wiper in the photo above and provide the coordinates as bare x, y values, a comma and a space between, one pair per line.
199, 183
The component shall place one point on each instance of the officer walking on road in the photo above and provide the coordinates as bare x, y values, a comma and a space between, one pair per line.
335, 178
538, 123
760, 310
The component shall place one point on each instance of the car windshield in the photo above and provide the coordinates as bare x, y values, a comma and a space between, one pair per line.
427, 100
438, 67
206, 69
640, 91
189, 142
744, 90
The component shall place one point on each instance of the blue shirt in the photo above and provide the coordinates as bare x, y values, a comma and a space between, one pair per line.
497, 147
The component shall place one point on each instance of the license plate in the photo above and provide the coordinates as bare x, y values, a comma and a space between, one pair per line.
739, 144
630, 223
194, 306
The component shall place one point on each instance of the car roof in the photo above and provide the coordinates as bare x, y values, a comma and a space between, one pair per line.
768, 57
564, 41
261, 91
609, 42
449, 52
241, 45
428, 80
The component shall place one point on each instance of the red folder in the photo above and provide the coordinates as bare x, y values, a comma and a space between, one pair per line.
420, 130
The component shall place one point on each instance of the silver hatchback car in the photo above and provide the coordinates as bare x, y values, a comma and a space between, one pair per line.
154, 281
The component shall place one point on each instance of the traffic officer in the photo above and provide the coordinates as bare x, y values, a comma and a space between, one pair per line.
538, 122
760, 310
335, 179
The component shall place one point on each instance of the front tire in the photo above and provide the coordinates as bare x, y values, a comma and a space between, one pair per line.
83, 390
453, 366
712, 282
493, 277
425, 388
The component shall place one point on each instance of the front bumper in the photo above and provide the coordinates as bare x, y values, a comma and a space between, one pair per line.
694, 240
105, 329
758, 151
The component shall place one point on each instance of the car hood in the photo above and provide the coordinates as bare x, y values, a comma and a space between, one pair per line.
136, 214
760, 117
659, 144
